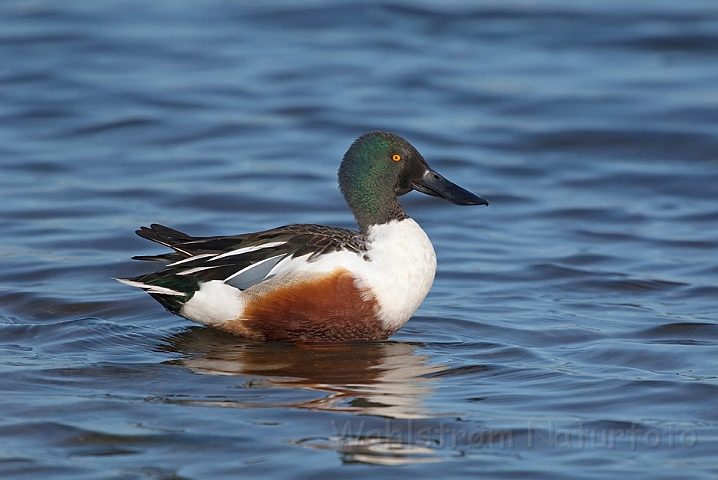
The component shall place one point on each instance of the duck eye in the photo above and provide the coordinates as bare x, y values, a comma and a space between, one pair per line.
396, 157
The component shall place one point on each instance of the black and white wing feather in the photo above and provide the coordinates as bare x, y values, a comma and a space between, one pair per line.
239, 260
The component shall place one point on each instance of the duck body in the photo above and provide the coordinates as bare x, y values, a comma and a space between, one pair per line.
312, 282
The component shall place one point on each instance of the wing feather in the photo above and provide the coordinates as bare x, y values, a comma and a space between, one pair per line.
240, 260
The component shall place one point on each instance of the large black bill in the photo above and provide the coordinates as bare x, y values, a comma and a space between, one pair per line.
431, 183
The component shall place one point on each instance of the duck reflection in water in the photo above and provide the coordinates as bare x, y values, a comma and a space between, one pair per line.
387, 379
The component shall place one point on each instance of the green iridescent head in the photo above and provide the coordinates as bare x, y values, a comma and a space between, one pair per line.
380, 166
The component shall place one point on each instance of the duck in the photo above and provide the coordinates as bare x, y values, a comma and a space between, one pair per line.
307, 282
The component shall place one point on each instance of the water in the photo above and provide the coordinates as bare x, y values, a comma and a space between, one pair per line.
572, 329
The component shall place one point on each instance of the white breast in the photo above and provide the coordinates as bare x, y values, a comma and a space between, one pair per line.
400, 271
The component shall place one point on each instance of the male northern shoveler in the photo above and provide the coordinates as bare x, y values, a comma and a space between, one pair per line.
311, 282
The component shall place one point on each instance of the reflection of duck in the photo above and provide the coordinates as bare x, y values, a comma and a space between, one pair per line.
385, 379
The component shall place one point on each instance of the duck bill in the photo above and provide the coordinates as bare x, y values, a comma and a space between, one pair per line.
431, 183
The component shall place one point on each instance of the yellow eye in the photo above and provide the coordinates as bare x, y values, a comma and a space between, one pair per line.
396, 157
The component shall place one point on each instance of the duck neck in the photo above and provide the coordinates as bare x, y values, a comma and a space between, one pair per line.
374, 210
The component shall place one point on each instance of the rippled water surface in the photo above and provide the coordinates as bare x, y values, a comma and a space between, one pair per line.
572, 328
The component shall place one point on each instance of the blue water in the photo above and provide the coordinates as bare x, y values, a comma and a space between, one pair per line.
571, 332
